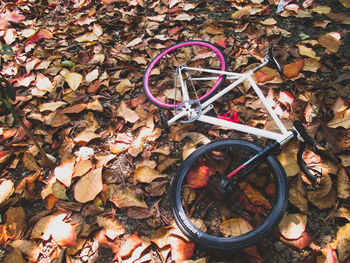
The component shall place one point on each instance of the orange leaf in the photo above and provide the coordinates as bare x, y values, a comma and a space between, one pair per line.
130, 244
256, 197
198, 177
181, 250
331, 41
51, 201
221, 42
292, 70
89, 186
262, 77
235, 227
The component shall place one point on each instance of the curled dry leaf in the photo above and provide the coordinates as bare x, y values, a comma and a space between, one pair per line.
112, 226
302, 242
29, 248
126, 113
292, 226
89, 186
73, 79
255, 197
341, 119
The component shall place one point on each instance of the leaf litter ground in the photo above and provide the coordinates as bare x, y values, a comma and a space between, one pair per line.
78, 69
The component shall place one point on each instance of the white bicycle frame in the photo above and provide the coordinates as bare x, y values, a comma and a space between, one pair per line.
280, 137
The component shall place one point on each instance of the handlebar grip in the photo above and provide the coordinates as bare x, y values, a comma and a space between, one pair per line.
273, 59
301, 130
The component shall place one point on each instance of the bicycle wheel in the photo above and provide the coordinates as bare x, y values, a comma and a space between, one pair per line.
161, 83
235, 216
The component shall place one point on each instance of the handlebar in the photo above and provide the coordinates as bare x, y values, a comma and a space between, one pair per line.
272, 58
300, 129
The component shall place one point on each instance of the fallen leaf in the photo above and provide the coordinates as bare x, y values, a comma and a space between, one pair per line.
342, 242
126, 113
112, 227
146, 174
73, 79
330, 41
341, 119
181, 250
235, 227
89, 186
126, 198
30, 248
292, 70
255, 197
130, 244
292, 226
6, 190
51, 106
198, 176
302, 242
343, 183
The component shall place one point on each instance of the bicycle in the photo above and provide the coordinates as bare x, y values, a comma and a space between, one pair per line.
230, 193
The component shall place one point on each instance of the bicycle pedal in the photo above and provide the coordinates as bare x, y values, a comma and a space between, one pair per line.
162, 119
232, 118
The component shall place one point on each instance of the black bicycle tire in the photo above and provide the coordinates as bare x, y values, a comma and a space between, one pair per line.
221, 243
212, 93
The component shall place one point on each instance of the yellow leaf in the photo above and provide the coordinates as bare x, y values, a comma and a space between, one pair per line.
342, 242
269, 22
293, 225
309, 52
6, 190
244, 12
74, 80
235, 227
124, 86
89, 186
345, 3
289, 162
87, 37
51, 106
322, 9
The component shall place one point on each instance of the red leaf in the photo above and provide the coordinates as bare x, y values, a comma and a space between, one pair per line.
292, 70
249, 206
174, 31
222, 42
35, 38
270, 189
303, 241
198, 176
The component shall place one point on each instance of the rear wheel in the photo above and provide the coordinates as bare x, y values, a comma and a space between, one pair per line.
161, 82
235, 216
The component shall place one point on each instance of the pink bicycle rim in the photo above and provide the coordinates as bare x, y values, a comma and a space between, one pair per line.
208, 45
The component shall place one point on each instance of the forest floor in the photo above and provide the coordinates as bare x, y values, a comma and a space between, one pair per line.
77, 67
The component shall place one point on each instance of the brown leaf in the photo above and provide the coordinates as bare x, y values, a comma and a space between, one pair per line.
112, 226
342, 242
156, 188
30, 162
14, 256
64, 172
343, 184
330, 41
139, 213
255, 197
297, 195
89, 186
15, 222
126, 198
146, 174
126, 113
30, 248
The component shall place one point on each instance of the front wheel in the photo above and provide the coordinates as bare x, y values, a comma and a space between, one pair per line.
161, 82
222, 216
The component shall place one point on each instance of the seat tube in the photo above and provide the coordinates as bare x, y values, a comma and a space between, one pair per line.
184, 89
